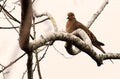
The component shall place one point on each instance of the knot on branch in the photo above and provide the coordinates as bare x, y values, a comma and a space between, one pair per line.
83, 36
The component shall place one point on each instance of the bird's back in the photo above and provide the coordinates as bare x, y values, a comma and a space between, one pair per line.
72, 25
90, 34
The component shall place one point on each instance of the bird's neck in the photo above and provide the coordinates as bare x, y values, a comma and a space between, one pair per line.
72, 20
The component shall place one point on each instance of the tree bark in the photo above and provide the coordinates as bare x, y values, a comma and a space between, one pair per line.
26, 22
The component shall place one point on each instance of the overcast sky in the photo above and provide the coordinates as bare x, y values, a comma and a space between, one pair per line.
55, 66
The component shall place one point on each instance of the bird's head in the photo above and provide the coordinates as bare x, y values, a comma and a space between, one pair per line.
71, 16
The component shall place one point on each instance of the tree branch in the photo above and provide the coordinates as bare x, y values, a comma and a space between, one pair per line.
5, 67
94, 17
50, 17
9, 15
26, 22
68, 46
74, 40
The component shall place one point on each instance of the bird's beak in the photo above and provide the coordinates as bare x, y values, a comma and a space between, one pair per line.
67, 17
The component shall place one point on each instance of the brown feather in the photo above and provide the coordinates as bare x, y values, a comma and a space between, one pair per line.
72, 25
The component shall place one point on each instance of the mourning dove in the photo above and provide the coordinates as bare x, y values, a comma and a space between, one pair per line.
72, 25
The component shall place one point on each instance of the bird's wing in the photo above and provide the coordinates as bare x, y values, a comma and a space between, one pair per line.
90, 34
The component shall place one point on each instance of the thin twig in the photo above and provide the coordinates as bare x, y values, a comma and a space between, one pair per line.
3, 72
19, 27
8, 27
24, 74
36, 53
44, 54
3, 5
41, 58
5, 67
12, 9
42, 20
60, 52
9, 15
36, 61
10, 22
38, 66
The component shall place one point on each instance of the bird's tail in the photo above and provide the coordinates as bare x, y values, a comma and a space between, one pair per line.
100, 48
99, 43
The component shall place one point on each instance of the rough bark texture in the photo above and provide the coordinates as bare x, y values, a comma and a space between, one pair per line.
26, 22
74, 40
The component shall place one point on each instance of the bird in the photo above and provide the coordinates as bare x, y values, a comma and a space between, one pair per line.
72, 25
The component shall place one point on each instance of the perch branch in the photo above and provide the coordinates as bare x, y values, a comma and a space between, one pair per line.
98, 58
92, 20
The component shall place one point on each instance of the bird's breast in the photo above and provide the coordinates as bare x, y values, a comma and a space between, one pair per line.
70, 26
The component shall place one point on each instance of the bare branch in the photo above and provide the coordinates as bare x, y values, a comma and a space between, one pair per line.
5, 67
38, 60
3, 4
9, 15
36, 52
10, 22
60, 52
51, 19
38, 66
74, 40
44, 54
8, 27
26, 22
56, 36
94, 17
19, 27
111, 56
24, 74
81, 35
42, 21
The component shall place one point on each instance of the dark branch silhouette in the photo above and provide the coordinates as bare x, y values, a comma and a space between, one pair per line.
26, 22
